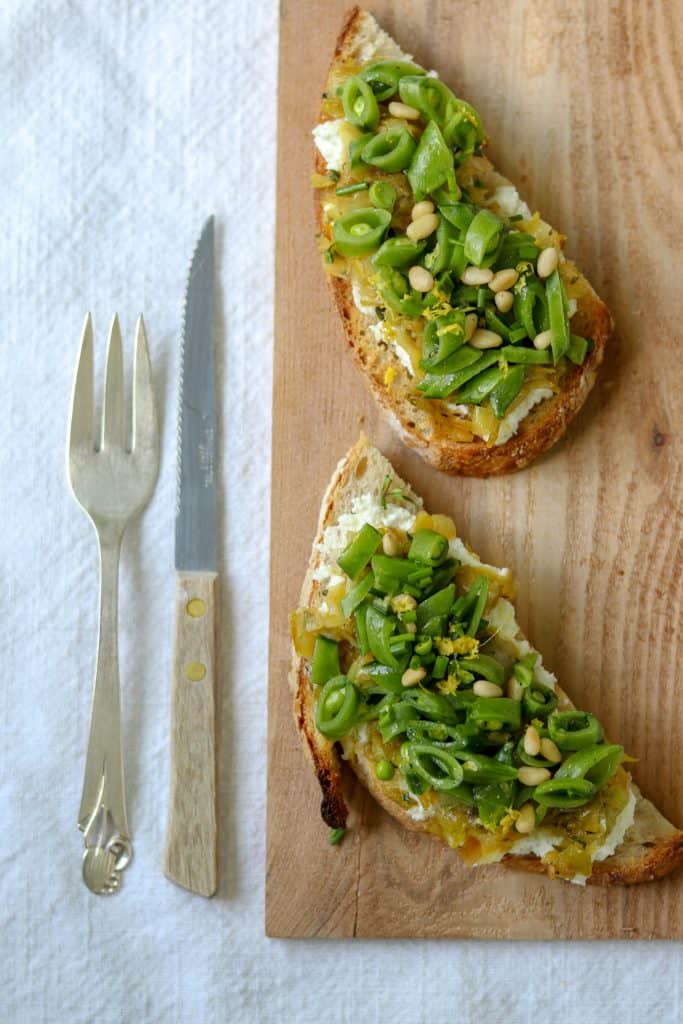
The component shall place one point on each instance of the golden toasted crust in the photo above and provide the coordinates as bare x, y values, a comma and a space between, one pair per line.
652, 847
423, 423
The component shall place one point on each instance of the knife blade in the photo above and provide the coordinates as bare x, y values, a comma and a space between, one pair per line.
190, 857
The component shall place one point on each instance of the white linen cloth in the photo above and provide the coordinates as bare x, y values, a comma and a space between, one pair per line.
123, 125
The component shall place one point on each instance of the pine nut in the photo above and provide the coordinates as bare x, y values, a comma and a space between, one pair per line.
485, 339
483, 688
471, 324
503, 301
503, 280
423, 227
394, 542
421, 209
527, 819
550, 751
420, 279
514, 689
397, 109
542, 340
476, 275
532, 776
413, 676
547, 261
532, 741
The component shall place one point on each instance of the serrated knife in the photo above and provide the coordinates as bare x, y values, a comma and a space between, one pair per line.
190, 857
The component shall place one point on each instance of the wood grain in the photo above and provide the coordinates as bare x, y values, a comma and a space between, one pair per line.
190, 858
583, 105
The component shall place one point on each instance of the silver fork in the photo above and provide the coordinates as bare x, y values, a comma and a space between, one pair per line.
111, 483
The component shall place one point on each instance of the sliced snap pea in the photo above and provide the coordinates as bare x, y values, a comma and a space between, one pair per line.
358, 553
480, 386
400, 251
337, 707
496, 709
428, 546
356, 149
382, 195
383, 76
357, 595
573, 730
380, 627
564, 794
431, 164
482, 236
526, 356
506, 390
578, 349
360, 104
557, 312
531, 305
486, 667
394, 719
325, 660
360, 232
395, 289
479, 768
390, 150
434, 765
594, 764
444, 383
539, 701
442, 337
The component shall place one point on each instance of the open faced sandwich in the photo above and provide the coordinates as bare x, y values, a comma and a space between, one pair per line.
474, 333
409, 664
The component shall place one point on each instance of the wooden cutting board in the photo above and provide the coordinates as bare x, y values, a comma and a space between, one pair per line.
583, 105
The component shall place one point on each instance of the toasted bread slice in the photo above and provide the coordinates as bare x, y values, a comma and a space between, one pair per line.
432, 426
649, 848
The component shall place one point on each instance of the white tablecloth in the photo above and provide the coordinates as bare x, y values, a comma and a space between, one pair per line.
123, 125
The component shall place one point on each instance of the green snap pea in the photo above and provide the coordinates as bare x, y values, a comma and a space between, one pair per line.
394, 719
594, 764
434, 706
361, 628
360, 104
435, 766
482, 236
356, 149
431, 164
523, 670
360, 232
358, 553
391, 150
337, 707
482, 665
557, 312
496, 709
476, 390
382, 195
442, 337
380, 627
357, 595
479, 768
397, 293
383, 77
436, 606
383, 678
539, 701
536, 761
447, 381
526, 356
565, 794
428, 546
478, 595
400, 251
531, 305
325, 660
573, 730
506, 390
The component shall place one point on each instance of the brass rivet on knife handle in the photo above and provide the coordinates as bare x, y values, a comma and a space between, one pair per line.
190, 857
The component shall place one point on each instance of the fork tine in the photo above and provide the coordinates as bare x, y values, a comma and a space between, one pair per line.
145, 428
113, 420
82, 402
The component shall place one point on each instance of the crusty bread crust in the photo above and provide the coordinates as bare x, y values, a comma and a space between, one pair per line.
423, 423
652, 847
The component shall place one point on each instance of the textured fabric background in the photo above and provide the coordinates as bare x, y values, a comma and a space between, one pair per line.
123, 125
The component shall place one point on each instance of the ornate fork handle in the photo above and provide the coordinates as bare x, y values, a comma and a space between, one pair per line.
102, 816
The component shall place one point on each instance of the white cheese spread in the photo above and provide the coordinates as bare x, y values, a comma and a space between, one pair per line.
510, 203
331, 139
510, 424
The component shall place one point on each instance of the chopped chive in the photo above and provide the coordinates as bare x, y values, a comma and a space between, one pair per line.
336, 836
347, 190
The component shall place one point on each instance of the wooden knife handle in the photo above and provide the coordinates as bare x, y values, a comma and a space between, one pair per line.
190, 858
